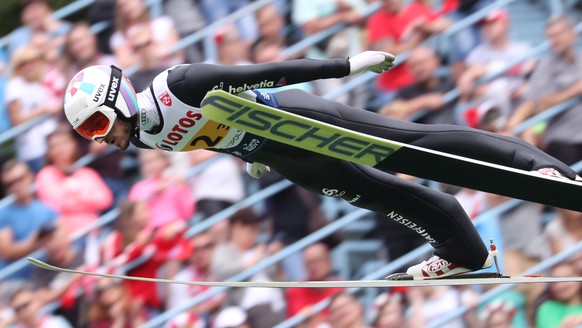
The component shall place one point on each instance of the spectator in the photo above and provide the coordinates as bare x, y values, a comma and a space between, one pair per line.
316, 17
423, 101
59, 252
265, 306
319, 268
519, 236
272, 27
563, 302
149, 55
37, 16
27, 224
53, 77
555, 79
396, 28
505, 309
6, 313
465, 40
232, 49
26, 99
112, 306
186, 320
232, 317
474, 202
564, 230
188, 17
131, 14
27, 311
294, 213
169, 201
50, 286
216, 187
215, 10
81, 50
313, 17
346, 312
388, 310
4, 118
157, 250
99, 12
498, 314
428, 303
267, 51
109, 163
200, 252
491, 55
78, 194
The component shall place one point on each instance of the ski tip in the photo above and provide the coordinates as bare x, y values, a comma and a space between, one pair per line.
399, 276
38, 263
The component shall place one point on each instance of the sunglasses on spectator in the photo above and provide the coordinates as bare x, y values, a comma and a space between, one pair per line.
28, 61
204, 246
18, 308
10, 183
100, 290
142, 45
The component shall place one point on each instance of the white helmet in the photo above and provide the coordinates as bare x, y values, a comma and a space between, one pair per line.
95, 97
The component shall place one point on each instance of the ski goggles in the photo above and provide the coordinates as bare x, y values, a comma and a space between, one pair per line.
100, 122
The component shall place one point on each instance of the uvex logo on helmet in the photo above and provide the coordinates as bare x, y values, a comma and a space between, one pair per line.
113, 89
99, 92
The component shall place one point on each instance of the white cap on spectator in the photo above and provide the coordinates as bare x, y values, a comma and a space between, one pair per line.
498, 306
495, 16
231, 316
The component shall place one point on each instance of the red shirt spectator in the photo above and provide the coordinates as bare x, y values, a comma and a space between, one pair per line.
197, 253
169, 201
131, 241
318, 264
300, 298
396, 29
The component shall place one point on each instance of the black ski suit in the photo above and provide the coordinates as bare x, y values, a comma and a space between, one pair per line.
436, 216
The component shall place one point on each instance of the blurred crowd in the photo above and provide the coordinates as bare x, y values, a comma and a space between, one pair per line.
82, 205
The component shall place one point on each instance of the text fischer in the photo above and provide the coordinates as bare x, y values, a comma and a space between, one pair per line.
344, 146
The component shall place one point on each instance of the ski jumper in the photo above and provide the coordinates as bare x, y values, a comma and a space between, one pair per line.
170, 119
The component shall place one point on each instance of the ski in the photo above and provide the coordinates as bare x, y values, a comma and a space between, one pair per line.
461, 281
389, 155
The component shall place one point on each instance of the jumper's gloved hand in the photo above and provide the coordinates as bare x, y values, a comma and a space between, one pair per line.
375, 61
255, 170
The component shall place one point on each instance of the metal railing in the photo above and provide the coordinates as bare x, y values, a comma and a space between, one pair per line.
247, 202
206, 35
103, 220
268, 261
540, 267
482, 218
